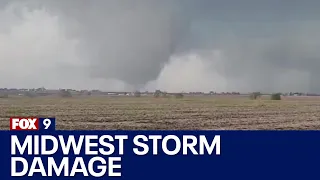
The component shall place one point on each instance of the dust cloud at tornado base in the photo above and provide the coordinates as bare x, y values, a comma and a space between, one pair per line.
148, 45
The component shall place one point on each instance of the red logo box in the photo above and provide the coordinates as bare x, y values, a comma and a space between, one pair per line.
24, 123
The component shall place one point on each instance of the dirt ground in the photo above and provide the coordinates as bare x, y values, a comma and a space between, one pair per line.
148, 113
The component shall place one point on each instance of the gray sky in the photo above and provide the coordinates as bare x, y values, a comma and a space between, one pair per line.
173, 45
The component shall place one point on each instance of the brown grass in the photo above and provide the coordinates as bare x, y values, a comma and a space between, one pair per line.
225, 112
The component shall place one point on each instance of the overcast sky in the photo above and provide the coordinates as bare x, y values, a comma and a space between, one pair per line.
173, 45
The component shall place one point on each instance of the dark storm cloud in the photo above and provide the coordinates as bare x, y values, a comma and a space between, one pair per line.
266, 45
128, 40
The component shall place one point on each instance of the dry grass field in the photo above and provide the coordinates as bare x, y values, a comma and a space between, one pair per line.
148, 113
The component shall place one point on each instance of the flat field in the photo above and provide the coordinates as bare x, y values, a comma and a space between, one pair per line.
149, 113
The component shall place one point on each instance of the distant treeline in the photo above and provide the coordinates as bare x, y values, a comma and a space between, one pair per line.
43, 92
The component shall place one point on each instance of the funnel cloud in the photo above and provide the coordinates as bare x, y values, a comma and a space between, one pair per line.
172, 45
